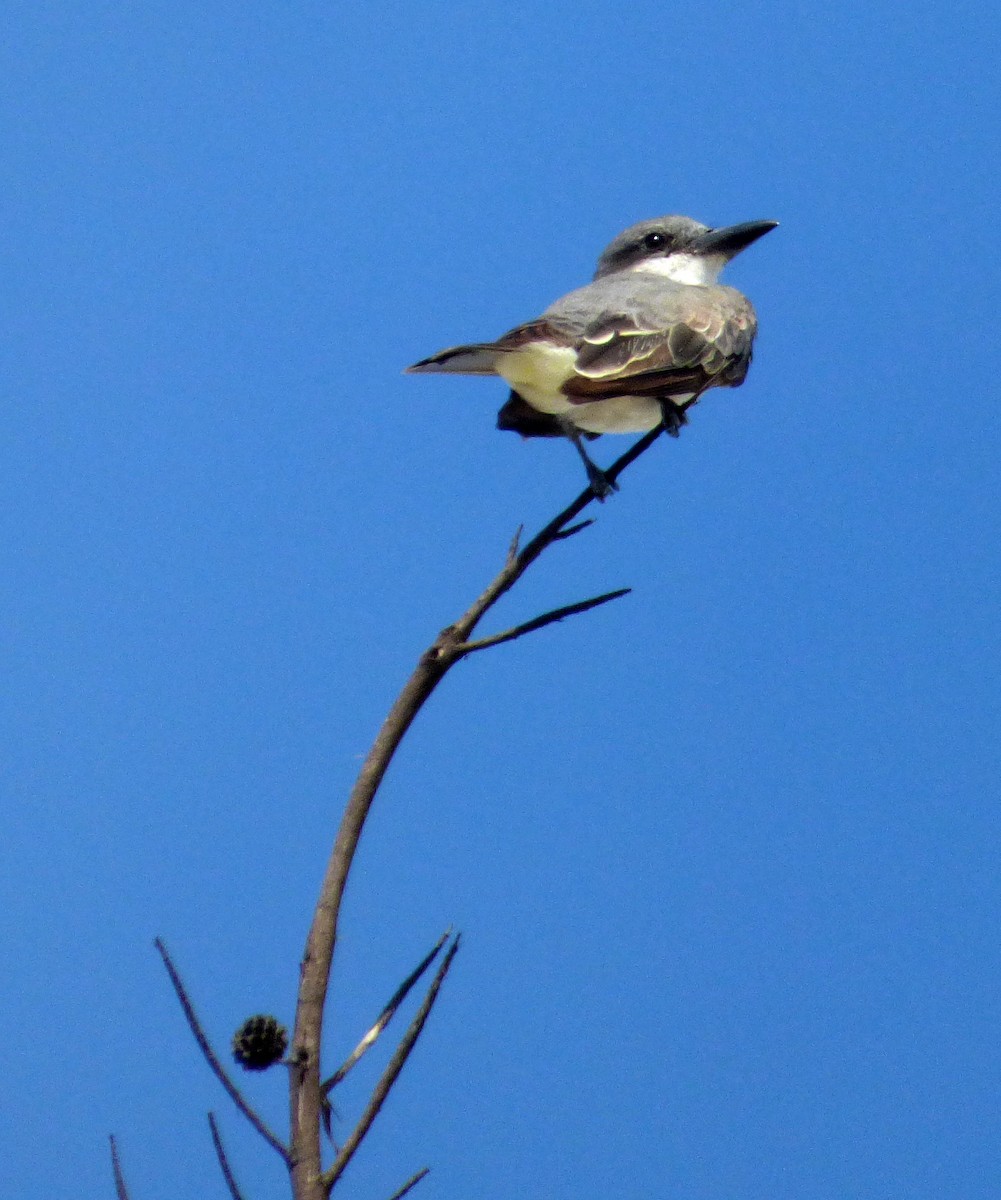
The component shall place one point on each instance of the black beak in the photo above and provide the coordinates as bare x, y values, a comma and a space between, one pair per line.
730, 241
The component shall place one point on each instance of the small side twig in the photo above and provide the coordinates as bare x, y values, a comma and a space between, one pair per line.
391, 1073
570, 530
121, 1191
386, 1015
557, 614
412, 1182
557, 529
211, 1058
224, 1166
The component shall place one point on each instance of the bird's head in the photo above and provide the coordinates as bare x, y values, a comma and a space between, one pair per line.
679, 248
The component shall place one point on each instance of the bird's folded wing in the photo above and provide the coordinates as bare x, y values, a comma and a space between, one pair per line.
684, 349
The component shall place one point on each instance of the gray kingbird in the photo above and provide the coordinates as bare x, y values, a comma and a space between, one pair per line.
632, 350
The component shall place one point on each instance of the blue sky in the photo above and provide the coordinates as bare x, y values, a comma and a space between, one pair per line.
725, 852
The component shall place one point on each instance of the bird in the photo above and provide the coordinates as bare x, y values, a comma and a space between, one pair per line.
630, 351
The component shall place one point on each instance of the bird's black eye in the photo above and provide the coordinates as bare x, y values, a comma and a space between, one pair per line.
655, 241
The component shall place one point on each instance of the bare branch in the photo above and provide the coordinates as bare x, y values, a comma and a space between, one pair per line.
220, 1151
412, 1182
391, 1073
121, 1191
541, 622
210, 1056
305, 1094
386, 1015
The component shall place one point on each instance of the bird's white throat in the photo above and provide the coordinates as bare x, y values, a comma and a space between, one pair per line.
684, 268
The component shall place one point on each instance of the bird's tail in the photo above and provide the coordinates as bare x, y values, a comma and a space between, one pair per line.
459, 360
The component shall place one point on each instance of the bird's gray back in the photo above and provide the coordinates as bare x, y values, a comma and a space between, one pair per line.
649, 302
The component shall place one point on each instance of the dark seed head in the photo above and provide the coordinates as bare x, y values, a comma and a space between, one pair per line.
259, 1043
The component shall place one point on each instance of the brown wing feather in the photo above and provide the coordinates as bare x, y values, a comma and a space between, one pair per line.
702, 345
543, 329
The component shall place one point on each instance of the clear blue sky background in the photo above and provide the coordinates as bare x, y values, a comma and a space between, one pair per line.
725, 853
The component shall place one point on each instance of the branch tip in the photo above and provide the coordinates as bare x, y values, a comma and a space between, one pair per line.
570, 530
121, 1191
412, 1182
549, 618
224, 1166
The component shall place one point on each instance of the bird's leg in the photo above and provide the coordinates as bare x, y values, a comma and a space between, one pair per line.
672, 416
601, 485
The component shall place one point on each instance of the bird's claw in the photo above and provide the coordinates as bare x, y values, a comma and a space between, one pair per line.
672, 418
601, 485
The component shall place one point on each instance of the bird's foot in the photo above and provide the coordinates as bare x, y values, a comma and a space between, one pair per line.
672, 417
601, 485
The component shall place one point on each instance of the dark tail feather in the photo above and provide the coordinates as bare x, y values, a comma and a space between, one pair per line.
458, 360
520, 417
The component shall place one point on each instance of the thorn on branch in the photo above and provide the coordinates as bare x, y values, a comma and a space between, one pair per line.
327, 1114
512, 550
212, 1058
